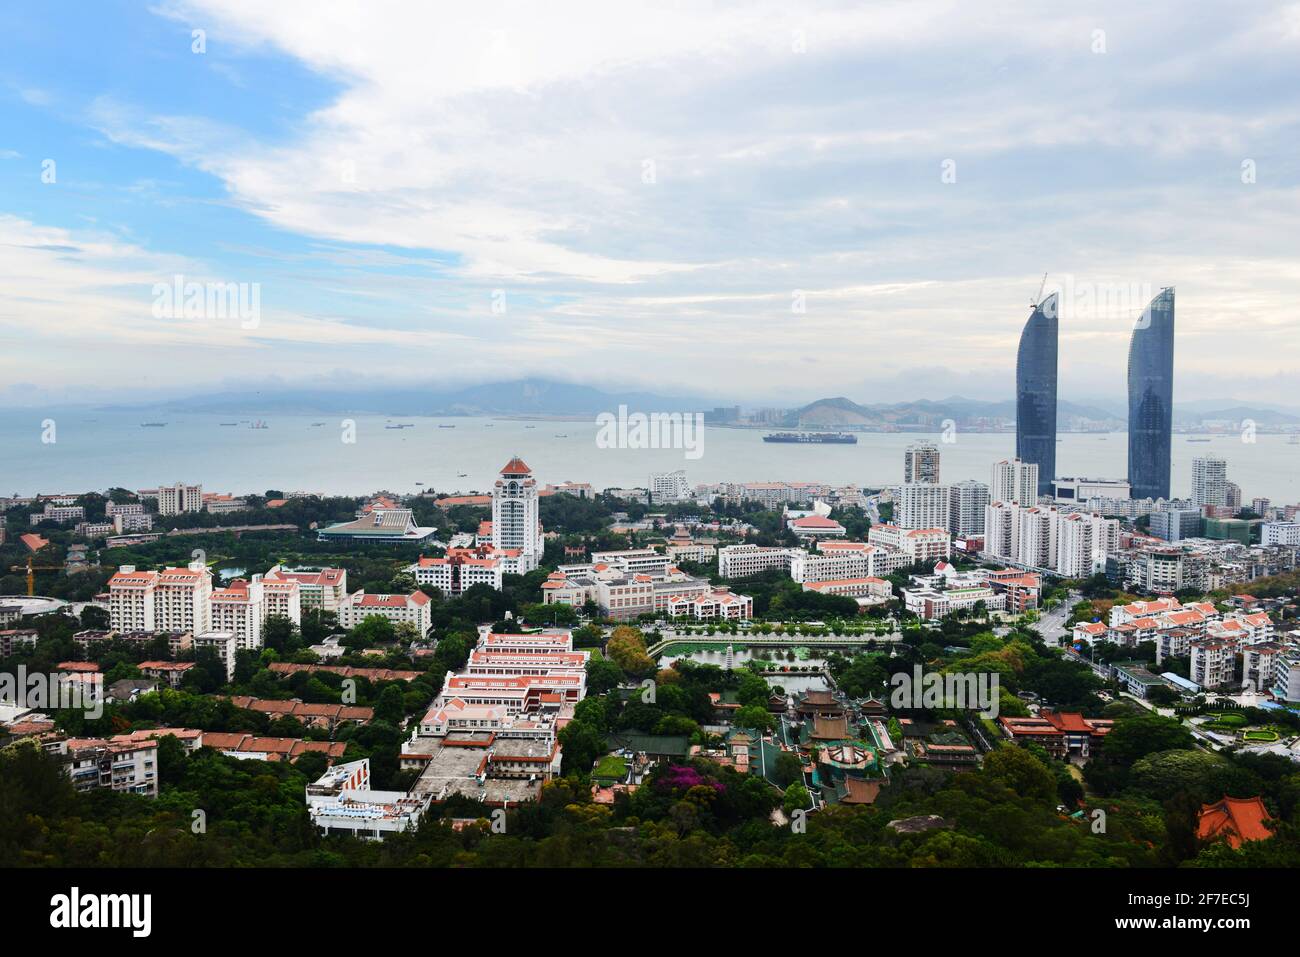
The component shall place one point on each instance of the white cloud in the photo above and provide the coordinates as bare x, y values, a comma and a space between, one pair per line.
515, 139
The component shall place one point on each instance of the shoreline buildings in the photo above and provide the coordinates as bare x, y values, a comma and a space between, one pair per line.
1036, 392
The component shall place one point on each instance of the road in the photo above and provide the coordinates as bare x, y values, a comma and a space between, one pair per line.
1051, 624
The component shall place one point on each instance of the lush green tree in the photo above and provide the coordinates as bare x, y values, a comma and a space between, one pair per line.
788, 769
796, 796
372, 630
391, 706
627, 649
1136, 737
753, 717
1022, 772
603, 675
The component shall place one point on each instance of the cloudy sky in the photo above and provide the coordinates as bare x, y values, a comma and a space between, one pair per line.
769, 202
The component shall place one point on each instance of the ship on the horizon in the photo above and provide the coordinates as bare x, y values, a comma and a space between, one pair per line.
152, 425
259, 424
817, 438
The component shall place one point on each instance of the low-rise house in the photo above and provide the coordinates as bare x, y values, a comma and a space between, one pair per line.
170, 673
116, 765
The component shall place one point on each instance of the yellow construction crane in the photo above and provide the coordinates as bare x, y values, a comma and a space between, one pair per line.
31, 573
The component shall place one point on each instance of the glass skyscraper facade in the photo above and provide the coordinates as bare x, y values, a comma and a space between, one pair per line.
1151, 398
1036, 392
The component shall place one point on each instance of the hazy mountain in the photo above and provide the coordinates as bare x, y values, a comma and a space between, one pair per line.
1260, 416
547, 397
519, 397
925, 413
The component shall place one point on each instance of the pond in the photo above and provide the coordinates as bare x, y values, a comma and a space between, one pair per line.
792, 683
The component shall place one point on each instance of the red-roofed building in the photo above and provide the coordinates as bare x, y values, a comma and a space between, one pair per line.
33, 541
172, 672
816, 526
515, 523
1021, 588
474, 501
414, 608
320, 588
1061, 734
868, 589
463, 568
1235, 820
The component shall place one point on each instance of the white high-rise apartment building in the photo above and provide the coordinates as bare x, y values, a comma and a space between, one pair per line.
921, 505
131, 599
921, 464
239, 609
515, 522
174, 599
320, 588
1209, 481
1082, 541
1001, 523
669, 486
281, 597
183, 600
178, 498
1073, 544
1036, 536
1014, 481
966, 504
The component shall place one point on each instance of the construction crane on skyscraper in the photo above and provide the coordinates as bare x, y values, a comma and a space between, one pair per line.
1033, 303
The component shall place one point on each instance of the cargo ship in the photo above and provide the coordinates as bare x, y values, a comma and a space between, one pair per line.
835, 438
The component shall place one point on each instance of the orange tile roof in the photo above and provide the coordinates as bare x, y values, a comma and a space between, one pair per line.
33, 541
465, 500
815, 521
1234, 819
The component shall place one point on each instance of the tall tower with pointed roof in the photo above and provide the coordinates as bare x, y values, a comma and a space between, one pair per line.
515, 525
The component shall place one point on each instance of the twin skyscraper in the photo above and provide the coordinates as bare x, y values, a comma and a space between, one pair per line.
1150, 395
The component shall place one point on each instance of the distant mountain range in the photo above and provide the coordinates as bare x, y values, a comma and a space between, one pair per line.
924, 413
540, 397
547, 397
930, 414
